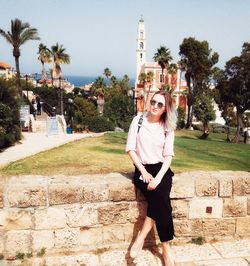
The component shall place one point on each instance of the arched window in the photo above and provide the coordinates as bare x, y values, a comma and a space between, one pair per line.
141, 55
141, 34
141, 45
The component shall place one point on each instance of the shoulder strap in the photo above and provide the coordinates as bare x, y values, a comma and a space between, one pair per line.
140, 123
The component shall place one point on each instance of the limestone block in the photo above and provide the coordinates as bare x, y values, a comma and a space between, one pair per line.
91, 236
248, 205
26, 195
243, 226
113, 234
225, 187
131, 230
65, 193
1, 241
81, 215
206, 186
118, 213
67, 238
234, 207
199, 208
1, 193
180, 208
119, 191
241, 185
219, 227
43, 239
15, 219
95, 192
183, 186
18, 241
50, 218
187, 227
114, 258
84, 260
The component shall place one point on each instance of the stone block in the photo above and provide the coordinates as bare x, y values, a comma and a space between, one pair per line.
18, 241
131, 230
43, 239
225, 187
206, 208
243, 226
50, 218
76, 260
206, 186
183, 186
180, 208
67, 238
91, 236
81, 215
113, 234
65, 193
26, 195
95, 192
122, 191
234, 207
15, 219
219, 227
1, 241
118, 213
1, 193
241, 185
248, 205
139, 195
185, 227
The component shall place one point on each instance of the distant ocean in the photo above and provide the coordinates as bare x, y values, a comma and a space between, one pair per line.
81, 80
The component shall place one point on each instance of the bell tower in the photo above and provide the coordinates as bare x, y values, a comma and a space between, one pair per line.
141, 48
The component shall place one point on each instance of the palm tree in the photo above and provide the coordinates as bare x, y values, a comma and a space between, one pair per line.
44, 57
107, 73
20, 33
172, 70
58, 57
163, 57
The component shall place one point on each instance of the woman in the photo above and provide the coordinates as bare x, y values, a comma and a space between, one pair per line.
150, 147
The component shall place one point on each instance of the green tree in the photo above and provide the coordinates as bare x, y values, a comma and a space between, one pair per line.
204, 110
85, 107
107, 73
43, 57
234, 85
19, 34
198, 60
163, 57
58, 56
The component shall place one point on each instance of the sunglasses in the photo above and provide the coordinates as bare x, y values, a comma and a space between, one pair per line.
159, 105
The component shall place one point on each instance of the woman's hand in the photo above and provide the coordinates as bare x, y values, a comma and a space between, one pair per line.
153, 184
146, 177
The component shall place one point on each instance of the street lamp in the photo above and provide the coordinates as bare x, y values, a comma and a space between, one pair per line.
26, 79
61, 96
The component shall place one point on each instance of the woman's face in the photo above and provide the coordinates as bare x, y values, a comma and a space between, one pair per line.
157, 105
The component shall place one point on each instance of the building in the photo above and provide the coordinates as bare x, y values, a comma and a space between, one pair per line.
6, 71
145, 90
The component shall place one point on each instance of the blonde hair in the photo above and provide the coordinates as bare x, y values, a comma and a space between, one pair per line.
169, 116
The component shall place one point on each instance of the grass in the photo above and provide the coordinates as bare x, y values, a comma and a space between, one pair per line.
106, 154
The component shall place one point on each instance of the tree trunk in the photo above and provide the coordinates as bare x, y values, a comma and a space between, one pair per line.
18, 81
205, 132
236, 138
162, 80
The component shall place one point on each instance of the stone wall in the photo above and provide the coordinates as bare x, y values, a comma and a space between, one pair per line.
84, 214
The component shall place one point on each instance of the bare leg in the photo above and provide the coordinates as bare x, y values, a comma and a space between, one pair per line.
167, 254
138, 244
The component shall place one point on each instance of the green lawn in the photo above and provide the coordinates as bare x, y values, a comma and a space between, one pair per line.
106, 154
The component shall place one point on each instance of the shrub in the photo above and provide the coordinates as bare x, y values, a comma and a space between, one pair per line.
181, 118
97, 124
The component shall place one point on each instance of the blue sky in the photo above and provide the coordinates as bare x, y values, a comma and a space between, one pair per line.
102, 33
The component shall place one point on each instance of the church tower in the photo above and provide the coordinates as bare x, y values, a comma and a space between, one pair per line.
141, 48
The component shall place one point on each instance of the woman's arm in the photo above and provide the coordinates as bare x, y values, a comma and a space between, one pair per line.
157, 180
146, 177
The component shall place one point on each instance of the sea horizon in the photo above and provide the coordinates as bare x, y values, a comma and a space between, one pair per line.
79, 81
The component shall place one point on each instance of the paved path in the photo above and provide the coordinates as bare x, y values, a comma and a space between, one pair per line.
33, 143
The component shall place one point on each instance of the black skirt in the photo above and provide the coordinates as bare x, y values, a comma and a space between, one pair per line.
159, 205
